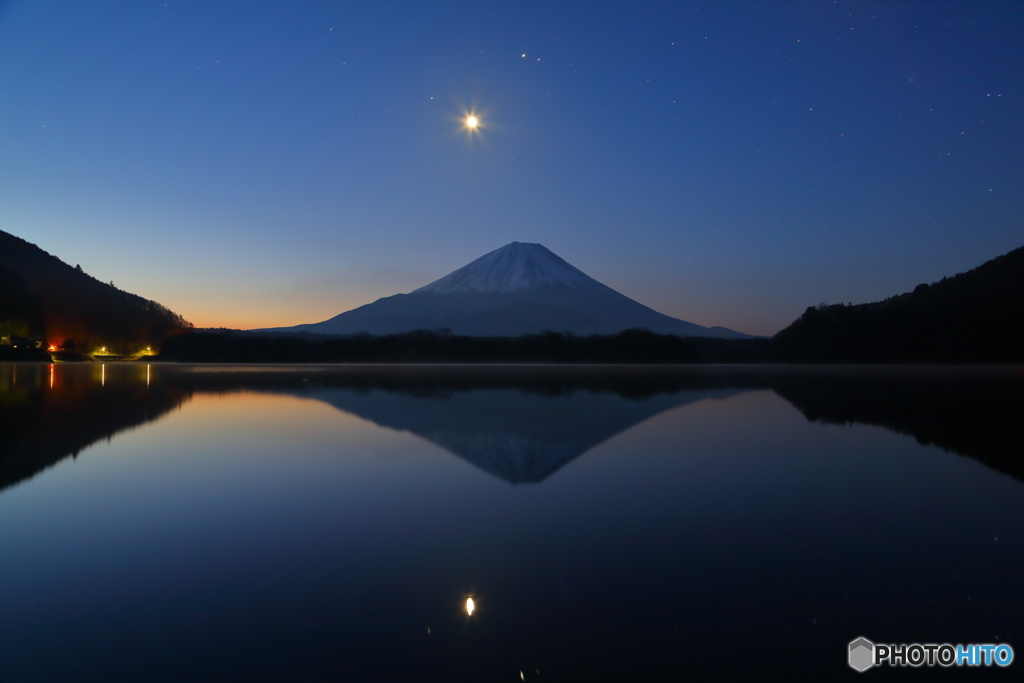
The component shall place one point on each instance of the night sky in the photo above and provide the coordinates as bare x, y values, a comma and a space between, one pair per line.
728, 163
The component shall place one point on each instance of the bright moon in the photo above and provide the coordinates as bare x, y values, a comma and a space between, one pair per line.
472, 122
470, 606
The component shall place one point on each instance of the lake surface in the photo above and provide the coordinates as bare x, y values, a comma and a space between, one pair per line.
327, 523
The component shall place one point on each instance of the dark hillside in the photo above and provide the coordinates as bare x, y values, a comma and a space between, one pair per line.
977, 316
44, 297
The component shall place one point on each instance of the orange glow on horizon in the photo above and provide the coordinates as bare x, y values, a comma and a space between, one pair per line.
305, 303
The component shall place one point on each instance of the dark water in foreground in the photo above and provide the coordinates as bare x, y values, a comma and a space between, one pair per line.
220, 523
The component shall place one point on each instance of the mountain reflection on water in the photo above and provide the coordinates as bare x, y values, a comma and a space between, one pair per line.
519, 423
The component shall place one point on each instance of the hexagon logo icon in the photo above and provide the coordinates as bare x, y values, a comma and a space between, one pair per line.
862, 654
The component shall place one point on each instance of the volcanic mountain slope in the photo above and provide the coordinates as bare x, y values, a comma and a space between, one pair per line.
517, 289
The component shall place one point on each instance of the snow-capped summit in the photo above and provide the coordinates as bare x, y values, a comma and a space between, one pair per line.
518, 289
514, 267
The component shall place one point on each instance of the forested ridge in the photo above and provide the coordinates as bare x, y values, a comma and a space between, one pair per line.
976, 316
43, 297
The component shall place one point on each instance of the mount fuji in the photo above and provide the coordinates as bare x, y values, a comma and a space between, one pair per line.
518, 289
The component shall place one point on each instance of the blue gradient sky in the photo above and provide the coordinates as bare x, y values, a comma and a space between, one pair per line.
258, 164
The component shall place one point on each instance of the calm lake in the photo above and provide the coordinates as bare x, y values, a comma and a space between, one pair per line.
328, 523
